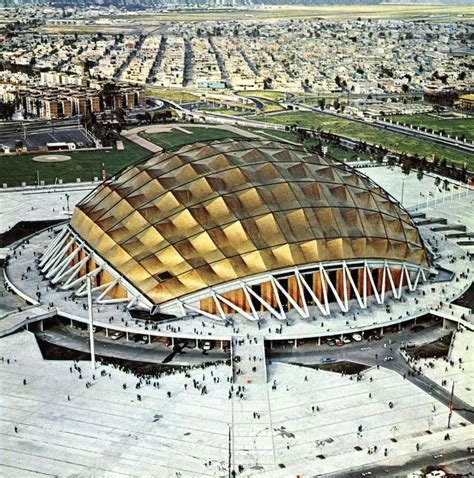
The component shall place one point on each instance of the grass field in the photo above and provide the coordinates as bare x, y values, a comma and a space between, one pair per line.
176, 95
454, 127
84, 164
370, 134
176, 138
337, 152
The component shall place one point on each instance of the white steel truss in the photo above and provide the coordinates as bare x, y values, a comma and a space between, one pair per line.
410, 276
57, 265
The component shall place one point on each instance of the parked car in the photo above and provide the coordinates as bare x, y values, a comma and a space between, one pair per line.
356, 337
117, 335
331, 342
339, 343
346, 340
207, 346
327, 360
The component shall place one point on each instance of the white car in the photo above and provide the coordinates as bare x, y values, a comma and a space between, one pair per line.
116, 335
207, 346
356, 337
346, 340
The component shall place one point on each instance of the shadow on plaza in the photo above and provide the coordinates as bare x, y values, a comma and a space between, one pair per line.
51, 351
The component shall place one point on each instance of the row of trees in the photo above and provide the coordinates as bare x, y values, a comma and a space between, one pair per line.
7, 110
408, 163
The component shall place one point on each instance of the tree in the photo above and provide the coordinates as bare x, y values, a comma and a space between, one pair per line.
322, 103
420, 173
437, 181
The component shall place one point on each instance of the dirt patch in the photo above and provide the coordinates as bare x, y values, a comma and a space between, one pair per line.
24, 228
467, 299
437, 349
349, 368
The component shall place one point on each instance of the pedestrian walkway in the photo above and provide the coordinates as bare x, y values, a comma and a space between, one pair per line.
457, 313
249, 360
16, 320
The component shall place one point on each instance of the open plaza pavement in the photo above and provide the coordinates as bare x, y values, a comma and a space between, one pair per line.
262, 416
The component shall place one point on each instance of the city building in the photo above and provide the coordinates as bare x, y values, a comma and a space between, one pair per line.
239, 227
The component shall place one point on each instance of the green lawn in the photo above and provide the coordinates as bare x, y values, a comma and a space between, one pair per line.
337, 152
454, 127
176, 138
84, 164
370, 134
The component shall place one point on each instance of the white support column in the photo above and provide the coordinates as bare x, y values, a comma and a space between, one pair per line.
266, 304
108, 287
277, 296
378, 298
72, 272
235, 307
60, 238
384, 278
57, 257
249, 300
344, 285
364, 286
219, 306
63, 265
322, 275
91, 322
202, 312
80, 279
322, 309
353, 286
340, 303
301, 291
291, 300
392, 282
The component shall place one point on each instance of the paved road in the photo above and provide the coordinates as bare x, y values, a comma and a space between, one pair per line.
76, 339
358, 352
421, 461
384, 126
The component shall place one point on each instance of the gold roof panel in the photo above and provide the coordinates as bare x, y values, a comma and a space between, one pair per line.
210, 213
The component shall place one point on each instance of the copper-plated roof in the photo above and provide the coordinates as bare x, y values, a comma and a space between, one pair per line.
211, 213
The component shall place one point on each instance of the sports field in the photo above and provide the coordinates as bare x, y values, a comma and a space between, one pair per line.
176, 137
370, 134
84, 165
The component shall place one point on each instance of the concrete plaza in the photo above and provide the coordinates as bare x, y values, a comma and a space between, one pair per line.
307, 424
278, 420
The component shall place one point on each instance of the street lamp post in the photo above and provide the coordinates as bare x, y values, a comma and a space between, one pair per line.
91, 320
67, 203
403, 190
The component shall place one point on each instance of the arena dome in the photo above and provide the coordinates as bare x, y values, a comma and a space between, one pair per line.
203, 220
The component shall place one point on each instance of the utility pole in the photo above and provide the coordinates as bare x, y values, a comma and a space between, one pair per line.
67, 202
91, 320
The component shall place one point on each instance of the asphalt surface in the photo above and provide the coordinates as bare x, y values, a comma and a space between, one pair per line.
462, 459
365, 353
78, 339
